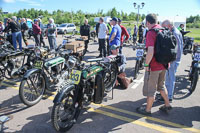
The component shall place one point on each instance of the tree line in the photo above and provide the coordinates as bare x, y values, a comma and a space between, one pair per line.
78, 17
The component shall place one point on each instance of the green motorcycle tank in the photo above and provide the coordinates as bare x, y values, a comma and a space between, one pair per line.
55, 61
92, 71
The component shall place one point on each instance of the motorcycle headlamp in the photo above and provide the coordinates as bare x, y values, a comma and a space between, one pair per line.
38, 52
71, 62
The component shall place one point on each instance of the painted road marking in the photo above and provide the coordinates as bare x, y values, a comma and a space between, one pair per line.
137, 122
137, 83
126, 112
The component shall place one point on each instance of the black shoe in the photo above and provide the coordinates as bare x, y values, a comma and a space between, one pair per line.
163, 101
87, 51
142, 110
100, 56
166, 109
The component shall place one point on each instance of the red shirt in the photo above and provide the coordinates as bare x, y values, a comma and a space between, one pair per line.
150, 41
124, 32
36, 29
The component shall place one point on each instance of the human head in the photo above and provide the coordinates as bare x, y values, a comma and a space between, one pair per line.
114, 21
51, 20
23, 20
86, 21
14, 18
39, 20
119, 21
101, 20
182, 26
167, 24
35, 21
114, 49
151, 20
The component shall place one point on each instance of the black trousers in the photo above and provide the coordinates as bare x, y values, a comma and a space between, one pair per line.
42, 40
86, 44
102, 46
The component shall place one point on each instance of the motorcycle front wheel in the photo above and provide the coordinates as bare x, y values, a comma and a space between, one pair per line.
65, 113
194, 81
32, 89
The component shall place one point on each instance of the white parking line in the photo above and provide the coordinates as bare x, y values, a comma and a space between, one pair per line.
137, 83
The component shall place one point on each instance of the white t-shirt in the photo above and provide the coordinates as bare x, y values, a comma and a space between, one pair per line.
102, 31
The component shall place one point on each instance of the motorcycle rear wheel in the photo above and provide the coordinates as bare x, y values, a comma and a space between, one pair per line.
194, 81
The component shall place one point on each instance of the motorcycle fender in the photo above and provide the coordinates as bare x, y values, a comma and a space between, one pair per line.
197, 65
29, 72
61, 93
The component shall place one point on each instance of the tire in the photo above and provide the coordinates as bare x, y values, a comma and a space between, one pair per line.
136, 71
194, 80
111, 77
25, 83
69, 108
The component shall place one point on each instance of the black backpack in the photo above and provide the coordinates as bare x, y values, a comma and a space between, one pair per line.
165, 47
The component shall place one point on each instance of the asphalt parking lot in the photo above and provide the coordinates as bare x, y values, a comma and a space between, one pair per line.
113, 115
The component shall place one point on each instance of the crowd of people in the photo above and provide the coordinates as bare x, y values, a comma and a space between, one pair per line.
111, 38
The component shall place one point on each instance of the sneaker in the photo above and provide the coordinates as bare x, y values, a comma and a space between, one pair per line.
166, 109
142, 110
163, 101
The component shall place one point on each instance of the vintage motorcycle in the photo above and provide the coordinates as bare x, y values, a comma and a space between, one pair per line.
194, 69
140, 58
86, 84
187, 43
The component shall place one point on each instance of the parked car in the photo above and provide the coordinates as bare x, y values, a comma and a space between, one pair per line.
66, 28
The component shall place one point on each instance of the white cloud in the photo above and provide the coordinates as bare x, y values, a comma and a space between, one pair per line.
9, 1
30, 2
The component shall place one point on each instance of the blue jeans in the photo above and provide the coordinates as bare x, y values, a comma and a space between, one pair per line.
52, 42
171, 78
17, 37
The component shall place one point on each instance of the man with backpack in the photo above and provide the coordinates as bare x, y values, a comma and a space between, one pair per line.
171, 73
16, 32
154, 71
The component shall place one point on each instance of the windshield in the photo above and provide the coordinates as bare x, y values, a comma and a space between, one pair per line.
63, 25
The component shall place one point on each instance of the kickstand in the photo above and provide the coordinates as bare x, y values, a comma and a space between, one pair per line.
112, 93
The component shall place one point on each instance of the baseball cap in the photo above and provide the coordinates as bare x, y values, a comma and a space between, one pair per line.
115, 19
35, 20
114, 47
119, 20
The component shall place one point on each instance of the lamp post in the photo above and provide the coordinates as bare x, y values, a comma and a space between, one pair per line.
138, 6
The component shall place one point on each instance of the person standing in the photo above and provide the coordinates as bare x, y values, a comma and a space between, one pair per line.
115, 34
171, 73
42, 32
16, 32
36, 32
51, 34
140, 33
24, 28
102, 35
85, 31
109, 26
154, 72
124, 33
1, 27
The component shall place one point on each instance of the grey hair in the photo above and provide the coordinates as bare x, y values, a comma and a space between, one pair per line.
167, 22
14, 18
51, 20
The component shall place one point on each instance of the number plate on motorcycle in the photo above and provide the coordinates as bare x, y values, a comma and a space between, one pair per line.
139, 52
75, 76
38, 64
197, 56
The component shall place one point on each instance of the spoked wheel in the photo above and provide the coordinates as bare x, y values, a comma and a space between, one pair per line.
32, 89
110, 78
136, 71
65, 113
194, 81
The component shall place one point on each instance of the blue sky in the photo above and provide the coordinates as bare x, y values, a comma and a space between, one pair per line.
161, 7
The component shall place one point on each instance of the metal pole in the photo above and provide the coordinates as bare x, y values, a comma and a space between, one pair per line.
138, 14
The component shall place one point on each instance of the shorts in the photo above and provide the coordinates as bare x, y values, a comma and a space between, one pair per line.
153, 81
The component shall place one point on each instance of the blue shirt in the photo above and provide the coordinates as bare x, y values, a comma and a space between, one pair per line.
117, 30
179, 40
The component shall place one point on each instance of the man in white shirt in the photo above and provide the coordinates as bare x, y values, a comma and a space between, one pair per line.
102, 35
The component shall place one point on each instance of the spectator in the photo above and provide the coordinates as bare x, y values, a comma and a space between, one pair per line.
124, 33
109, 26
170, 74
97, 29
122, 80
51, 34
1, 27
145, 34
102, 35
154, 71
16, 32
85, 31
24, 28
42, 32
140, 33
115, 34
36, 32
135, 31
